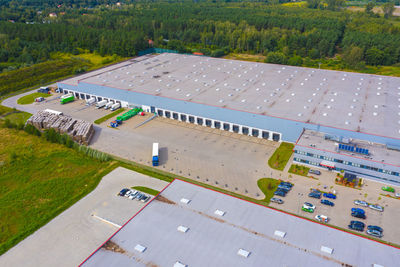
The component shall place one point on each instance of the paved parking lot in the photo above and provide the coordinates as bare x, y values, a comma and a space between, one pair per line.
340, 214
73, 235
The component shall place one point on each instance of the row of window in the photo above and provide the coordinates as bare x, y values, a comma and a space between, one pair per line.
218, 125
339, 169
346, 162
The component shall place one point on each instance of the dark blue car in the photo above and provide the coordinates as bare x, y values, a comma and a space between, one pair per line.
280, 193
327, 202
358, 210
330, 195
358, 215
123, 191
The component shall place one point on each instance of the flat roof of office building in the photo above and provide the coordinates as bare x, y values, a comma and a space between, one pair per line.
327, 142
352, 101
194, 226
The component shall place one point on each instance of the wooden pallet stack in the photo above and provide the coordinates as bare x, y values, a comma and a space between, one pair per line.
81, 131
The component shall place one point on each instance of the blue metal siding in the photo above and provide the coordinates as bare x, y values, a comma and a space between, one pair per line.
289, 129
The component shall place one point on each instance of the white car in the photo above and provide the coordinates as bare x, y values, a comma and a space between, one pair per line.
128, 193
361, 203
376, 207
133, 194
308, 205
322, 218
397, 195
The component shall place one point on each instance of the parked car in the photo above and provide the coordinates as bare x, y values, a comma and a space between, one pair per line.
397, 195
286, 184
356, 225
127, 194
374, 227
361, 203
322, 218
309, 205
284, 187
314, 172
315, 195
374, 233
123, 192
358, 210
307, 209
139, 196
145, 198
388, 189
327, 202
358, 215
276, 200
133, 194
376, 207
280, 193
330, 195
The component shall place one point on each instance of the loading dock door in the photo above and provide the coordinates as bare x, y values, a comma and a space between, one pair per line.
245, 130
235, 128
152, 109
199, 121
167, 114
191, 119
255, 132
160, 112
82, 96
175, 116
183, 117
275, 137
208, 123
226, 126
265, 135
217, 124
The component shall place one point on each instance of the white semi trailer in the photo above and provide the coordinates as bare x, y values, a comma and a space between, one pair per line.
101, 103
90, 101
109, 105
115, 106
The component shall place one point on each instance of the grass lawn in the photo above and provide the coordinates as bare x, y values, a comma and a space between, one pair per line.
146, 190
19, 117
29, 99
109, 116
268, 186
299, 170
281, 156
39, 180
4, 110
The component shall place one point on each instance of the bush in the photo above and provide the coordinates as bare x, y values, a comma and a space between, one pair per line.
275, 58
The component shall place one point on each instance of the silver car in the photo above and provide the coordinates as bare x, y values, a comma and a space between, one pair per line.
276, 200
376, 207
361, 203
374, 233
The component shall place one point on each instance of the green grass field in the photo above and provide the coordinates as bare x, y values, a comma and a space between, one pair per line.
299, 170
30, 194
109, 116
281, 156
29, 99
146, 190
268, 186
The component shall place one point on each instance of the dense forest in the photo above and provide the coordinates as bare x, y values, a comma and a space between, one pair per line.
31, 30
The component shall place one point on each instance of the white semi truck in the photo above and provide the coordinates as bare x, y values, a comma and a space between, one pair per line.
101, 103
115, 106
109, 105
90, 101
155, 154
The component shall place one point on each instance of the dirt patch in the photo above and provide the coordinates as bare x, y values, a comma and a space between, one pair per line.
111, 246
164, 199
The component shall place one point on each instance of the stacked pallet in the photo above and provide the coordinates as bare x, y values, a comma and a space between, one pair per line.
81, 131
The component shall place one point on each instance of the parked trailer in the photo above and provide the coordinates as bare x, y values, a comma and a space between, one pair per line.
108, 105
129, 114
67, 98
53, 111
44, 90
155, 154
90, 101
115, 106
101, 104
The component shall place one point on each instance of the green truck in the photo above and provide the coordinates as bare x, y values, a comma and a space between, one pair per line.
67, 98
129, 114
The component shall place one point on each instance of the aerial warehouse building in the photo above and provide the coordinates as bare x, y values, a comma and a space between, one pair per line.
267, 101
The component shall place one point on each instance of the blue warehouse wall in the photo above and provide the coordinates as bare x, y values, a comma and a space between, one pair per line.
289, 129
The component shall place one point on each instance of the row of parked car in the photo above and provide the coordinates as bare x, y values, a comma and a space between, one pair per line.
372, 230
317, 194
283, 189
134, 194
366, 204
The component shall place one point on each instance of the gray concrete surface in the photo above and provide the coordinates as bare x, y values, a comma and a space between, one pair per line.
73, 235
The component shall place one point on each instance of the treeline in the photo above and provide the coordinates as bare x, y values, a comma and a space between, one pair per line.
284, 34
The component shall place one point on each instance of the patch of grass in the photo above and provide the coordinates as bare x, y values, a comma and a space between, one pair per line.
29, 99
281, 156
146, 190
19, 117
4, 110
246, 57
268, 186
109, 116
30, 194
299, 170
